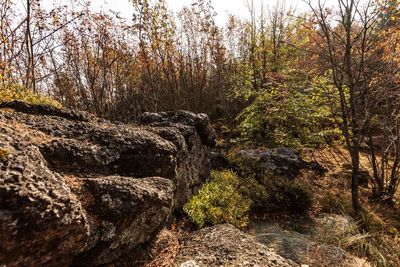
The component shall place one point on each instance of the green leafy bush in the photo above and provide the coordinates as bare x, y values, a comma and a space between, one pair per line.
219, 201
293, 113
295, 196
246, 166
258, 193
11, 91
276, 193
268, 191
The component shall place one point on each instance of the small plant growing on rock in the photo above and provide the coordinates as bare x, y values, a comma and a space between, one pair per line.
219, 201
4, 154
11, 91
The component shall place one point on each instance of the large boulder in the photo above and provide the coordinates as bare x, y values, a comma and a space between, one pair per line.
38, 211
128, 212
193, 136
285, 162
76, 189
200, 121
225, 245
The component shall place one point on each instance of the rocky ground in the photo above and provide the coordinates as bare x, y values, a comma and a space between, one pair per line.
264, 243
224, 245
304, 247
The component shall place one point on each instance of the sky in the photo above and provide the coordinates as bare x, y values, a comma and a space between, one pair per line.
222, 7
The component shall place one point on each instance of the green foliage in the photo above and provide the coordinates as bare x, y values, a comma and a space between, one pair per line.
10, 91
276, 193
219, 201
269, 192
246, 166
258, 193
291, 113
291, 195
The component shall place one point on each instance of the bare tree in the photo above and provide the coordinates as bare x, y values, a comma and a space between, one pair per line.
30, 69
348, 38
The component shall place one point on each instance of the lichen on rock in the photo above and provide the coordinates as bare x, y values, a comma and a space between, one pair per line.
80, 190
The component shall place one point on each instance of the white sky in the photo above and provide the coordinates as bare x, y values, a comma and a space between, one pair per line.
222, 7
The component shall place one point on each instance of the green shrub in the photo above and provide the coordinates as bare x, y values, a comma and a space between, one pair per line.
293, 113
246, 167
294, 195
258, 193
276, 193
219, 201
10, 91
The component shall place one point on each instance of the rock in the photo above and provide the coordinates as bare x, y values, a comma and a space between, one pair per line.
225, 245
285, 162
334, 225
282, 161
219, 161
309, 248
194, 151
76, 189
38, 211
200, 121
37, 109
193, 158
130, 211
49, 219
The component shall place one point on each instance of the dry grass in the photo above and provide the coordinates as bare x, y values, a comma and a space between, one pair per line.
378, 238
165, 248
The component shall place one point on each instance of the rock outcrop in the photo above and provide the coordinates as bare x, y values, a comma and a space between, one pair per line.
76, 189
193, 136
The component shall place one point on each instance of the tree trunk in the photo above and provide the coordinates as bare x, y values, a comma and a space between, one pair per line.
355, 162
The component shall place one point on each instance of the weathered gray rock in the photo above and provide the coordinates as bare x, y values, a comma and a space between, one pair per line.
310, 248
193, 137
225, 245
76, 189
48, 219
129, 212
284, 162
328, 226
47, 110
38, 211
200, 121
96, 145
